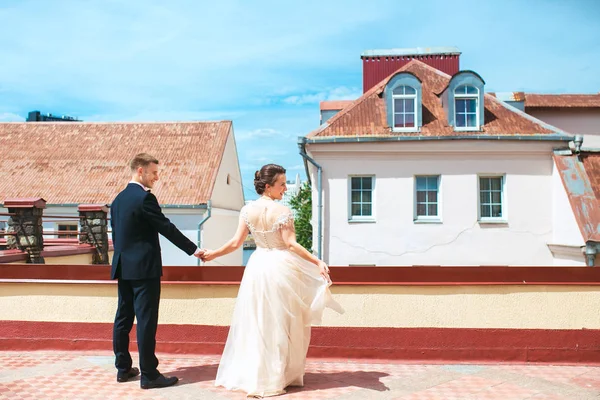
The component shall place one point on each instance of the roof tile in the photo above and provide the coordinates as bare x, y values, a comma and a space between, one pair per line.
74, 163
533, 100
366, 116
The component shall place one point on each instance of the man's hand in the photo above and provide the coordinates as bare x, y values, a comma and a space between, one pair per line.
208, 255
199, 253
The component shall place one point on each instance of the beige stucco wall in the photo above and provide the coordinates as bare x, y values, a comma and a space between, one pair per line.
573, 120
544, 307
74, 259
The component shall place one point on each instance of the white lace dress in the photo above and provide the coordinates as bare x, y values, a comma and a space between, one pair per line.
281, 295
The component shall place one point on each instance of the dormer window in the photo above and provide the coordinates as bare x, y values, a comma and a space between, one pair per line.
466, 107
463, 101
405, 106
403, 100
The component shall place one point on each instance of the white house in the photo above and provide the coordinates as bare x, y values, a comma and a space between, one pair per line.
426, 169
72, 163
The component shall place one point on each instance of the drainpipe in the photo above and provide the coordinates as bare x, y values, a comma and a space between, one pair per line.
578, 142
302, 148
206, 217
591, 249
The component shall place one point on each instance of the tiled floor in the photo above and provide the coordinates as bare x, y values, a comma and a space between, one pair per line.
81, 375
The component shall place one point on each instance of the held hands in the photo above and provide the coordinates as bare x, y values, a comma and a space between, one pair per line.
199, 253
207, 255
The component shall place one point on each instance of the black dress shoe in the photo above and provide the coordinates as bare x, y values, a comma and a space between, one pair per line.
160, 382
125, 376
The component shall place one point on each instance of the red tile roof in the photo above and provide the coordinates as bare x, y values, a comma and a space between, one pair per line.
335, 104
68, 162
366, 116
533, 100
581, 179
509, 96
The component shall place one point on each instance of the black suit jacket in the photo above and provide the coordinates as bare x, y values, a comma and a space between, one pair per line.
136, 221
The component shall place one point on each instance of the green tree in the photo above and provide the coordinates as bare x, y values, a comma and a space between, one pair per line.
302, 204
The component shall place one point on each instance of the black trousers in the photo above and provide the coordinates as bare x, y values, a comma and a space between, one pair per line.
137, 298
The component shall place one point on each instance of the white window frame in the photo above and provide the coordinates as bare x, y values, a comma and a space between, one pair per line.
361, 218
416, 110
428, 218
464, 96
75, 224
493, 220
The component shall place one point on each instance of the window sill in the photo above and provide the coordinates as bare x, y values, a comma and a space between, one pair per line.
493, 222
406, 130
477, 129
361, 221
428, 221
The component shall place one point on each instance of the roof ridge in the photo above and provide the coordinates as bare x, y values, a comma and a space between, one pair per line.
189, 152
366, 116
375, 89
346, 109
433, 69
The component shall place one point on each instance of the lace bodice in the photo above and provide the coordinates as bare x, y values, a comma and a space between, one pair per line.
264, 219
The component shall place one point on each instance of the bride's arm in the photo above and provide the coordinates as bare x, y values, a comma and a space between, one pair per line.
288, 235
232, 244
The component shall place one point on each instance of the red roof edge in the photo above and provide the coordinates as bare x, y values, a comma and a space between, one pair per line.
32, 202
93, 208
334, 105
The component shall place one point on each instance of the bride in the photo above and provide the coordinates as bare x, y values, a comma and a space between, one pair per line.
283, 292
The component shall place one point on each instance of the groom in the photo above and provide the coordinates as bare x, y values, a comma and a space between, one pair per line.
136, 221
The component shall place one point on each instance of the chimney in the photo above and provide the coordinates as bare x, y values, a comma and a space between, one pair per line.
379, 64
330, 108
515, 99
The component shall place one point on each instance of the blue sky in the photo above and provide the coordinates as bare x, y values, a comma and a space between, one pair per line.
267, 64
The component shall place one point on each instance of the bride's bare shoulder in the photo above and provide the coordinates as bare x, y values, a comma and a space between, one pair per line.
282, 209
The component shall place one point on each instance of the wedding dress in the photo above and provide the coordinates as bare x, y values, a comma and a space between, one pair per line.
281, 295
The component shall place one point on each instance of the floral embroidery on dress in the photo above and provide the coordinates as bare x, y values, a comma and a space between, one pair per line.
283, 220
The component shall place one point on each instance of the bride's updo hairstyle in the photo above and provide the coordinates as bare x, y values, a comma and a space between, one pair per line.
267, 176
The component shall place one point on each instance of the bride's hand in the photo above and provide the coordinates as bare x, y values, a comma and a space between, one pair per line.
208, 255
324, 270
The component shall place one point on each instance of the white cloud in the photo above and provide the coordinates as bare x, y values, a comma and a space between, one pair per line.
10, 117
258, 134
338, 93
166, 116
119, 56
248, 167
135, 60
